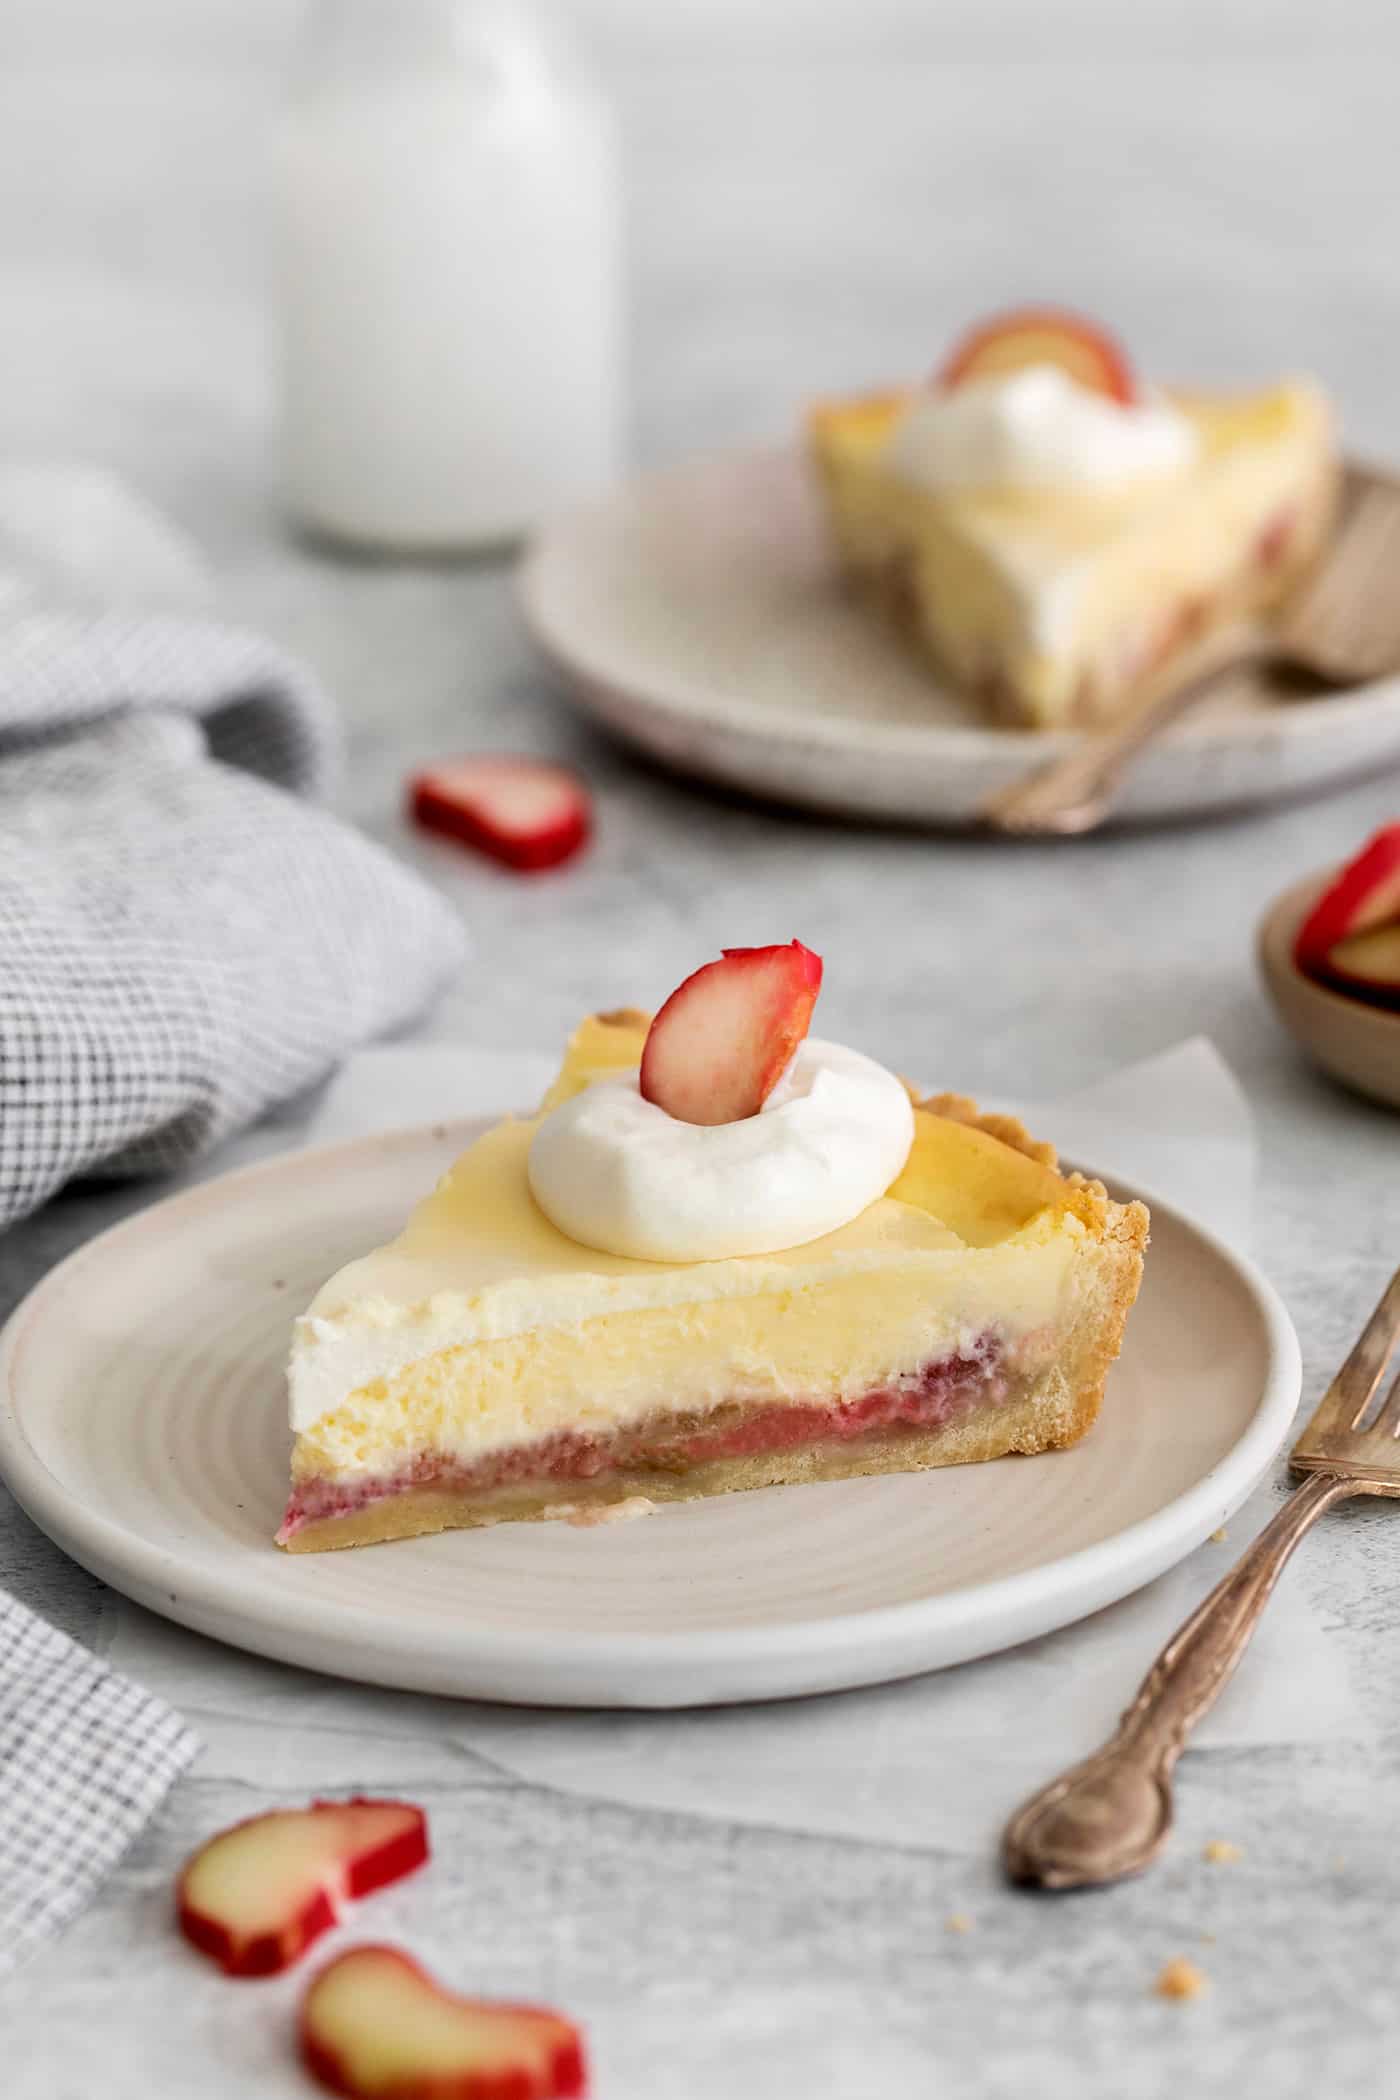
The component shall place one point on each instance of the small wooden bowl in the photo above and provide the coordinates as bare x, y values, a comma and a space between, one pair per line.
1356, 1043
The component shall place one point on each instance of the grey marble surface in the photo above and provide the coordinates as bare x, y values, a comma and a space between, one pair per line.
816, 198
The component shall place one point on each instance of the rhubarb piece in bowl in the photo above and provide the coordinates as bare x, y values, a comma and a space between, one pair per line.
1351, 937
1327, 978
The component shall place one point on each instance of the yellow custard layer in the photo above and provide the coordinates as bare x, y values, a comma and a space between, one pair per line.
482, 1326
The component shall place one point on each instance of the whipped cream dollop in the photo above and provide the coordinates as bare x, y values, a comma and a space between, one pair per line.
618, 1173
1035, 429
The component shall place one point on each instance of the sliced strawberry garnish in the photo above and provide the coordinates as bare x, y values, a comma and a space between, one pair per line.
725, 1037
375, 2025
524, 812
256, 1896
1364, 895
1041, 335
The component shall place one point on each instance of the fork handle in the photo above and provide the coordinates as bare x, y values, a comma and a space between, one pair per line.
1109, 1816
1073, 793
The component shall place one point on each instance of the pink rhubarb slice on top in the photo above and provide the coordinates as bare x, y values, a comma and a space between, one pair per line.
1351, 937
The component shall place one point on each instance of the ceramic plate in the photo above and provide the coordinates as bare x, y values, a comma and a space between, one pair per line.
698, 613
142, 1425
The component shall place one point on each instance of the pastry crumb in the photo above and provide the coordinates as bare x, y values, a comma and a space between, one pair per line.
958, 1922
1221, 1852
1218, 1538
584, 1515
1207, 1939
1182, 1979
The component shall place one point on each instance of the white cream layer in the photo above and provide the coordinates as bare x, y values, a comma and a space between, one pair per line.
615, 1172
1035, 429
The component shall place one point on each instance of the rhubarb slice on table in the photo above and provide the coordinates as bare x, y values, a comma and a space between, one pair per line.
522, 812
256, 1896
725, 1037
375, 2025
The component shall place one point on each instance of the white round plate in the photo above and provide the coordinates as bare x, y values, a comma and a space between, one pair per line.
698, 613
142, 1426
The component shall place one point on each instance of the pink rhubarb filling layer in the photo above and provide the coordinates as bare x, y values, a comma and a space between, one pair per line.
938, 1393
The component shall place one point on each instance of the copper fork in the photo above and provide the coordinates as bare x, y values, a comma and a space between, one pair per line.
1109, 1816
1341, 626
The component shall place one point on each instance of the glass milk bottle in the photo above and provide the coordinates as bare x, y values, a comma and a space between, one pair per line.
448, 276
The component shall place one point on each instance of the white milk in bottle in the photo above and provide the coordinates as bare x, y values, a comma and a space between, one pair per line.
448, 275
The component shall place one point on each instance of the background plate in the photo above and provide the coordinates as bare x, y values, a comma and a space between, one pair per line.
698, 613
142, 1424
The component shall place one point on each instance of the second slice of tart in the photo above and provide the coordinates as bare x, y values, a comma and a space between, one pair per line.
485, 1366
1059, 605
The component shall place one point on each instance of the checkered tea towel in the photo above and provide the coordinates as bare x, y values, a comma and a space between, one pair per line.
184, 938
86, 1758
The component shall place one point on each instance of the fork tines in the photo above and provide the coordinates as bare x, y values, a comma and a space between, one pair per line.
1352, 1432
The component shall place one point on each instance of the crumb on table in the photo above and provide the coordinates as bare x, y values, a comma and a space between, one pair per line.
1182, 1979
1218, 1538
1221, 1852
958, 1922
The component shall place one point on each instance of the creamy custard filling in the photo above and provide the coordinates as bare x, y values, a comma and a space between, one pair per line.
479, 1261
848, 1335
479, 1267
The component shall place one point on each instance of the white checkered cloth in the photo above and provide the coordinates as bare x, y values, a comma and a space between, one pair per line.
86, 1758
182, 943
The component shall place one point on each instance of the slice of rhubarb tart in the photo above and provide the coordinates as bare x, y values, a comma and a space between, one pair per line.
724, 1254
